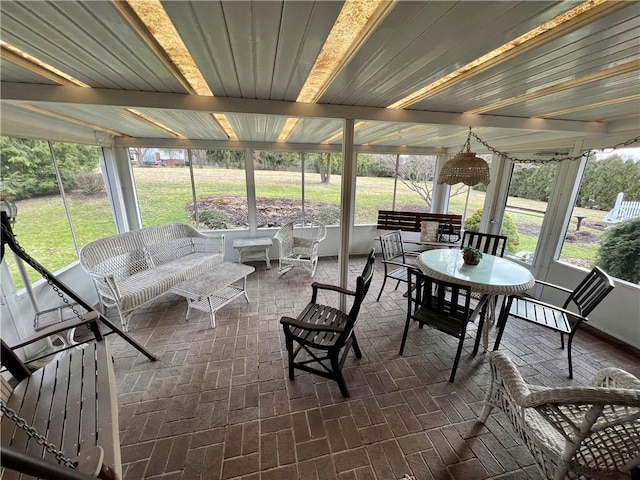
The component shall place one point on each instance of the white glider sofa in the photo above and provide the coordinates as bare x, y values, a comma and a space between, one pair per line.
130, 269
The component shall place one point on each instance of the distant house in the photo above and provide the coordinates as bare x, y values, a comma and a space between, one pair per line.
166, 157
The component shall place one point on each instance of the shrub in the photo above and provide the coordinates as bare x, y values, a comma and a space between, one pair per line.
215, 219
89, 183
619, 252
328, 216
509, 229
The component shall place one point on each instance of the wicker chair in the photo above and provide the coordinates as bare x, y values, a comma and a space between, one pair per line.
299, 240
572, 432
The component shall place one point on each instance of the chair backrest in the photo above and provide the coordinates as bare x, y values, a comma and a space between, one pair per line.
591, 291
392, 247
363, 282
438, 296
485, 242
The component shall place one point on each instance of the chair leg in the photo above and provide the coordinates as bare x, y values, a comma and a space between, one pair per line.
384, 282
476, 344
337, 372
502, 320
569, 354
355, 346
404, 335
457, 360
289, 344
562, 340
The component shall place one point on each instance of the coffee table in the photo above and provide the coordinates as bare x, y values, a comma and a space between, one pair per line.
213, 290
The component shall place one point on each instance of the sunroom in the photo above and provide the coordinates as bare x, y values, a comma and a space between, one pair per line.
235, 117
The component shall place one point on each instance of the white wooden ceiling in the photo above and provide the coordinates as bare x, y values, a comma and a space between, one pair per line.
577, 82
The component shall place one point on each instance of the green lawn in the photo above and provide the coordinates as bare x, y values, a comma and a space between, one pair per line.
164, 193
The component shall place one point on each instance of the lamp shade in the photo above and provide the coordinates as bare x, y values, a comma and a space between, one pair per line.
465, 168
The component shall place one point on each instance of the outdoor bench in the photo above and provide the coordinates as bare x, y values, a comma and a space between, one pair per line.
449, 226
130, 269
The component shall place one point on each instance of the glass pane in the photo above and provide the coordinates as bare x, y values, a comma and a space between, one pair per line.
278, 177
163, 185
42, 228
322, 181
603, 218
220, 183
526, 206
375, 181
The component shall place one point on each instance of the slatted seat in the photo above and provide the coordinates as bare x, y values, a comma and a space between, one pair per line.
583, 299
320, 338
71, 401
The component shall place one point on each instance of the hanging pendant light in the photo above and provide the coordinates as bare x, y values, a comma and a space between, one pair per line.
465, 168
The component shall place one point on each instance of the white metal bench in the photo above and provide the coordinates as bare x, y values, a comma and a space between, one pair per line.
622, 210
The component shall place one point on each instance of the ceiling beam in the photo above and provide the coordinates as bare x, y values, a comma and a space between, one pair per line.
133, 99
271, 146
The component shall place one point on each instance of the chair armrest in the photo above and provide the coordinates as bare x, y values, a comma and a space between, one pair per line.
323, 286
504, 369
89, 317
615, 378
553, 307
557, 287
399, 264
292, 322
108, 280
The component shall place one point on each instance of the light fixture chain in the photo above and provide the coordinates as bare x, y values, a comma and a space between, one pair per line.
553, 159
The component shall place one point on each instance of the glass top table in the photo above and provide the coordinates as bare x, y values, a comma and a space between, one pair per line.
491, 277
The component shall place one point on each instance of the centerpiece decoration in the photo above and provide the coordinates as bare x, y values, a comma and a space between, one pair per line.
471, 256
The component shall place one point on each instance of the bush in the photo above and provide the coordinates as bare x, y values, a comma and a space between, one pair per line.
215, 219
509, 229
89, 183
619, 252
328, 216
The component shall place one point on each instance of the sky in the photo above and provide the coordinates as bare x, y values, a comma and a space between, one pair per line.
624, 153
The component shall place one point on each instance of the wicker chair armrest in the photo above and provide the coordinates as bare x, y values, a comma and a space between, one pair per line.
105, 279
615, 378
584, 396
289, 322
334, 288
513, 382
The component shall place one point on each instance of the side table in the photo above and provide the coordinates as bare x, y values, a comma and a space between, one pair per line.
253, 249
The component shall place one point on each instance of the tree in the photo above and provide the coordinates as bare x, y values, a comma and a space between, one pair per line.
604, 179
323, 161
417, 173
619, 252
508, 229
27, 168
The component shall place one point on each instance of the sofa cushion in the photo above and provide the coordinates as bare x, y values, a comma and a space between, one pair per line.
147, 285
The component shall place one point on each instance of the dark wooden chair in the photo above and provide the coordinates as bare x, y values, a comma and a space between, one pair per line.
322, 335
393, 259
582, 300
485, 242
441, 305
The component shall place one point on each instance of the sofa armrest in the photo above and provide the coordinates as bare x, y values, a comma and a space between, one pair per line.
208, 244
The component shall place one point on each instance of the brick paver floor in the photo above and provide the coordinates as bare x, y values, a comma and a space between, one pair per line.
218, 403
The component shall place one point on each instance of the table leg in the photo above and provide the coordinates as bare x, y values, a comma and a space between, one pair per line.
491, 301
266, 258
212, 312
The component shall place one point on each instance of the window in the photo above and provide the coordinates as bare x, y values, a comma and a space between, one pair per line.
62, 203
610, 184
526, 206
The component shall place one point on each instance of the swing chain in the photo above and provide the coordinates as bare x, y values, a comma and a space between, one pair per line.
36, 266
40, 439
